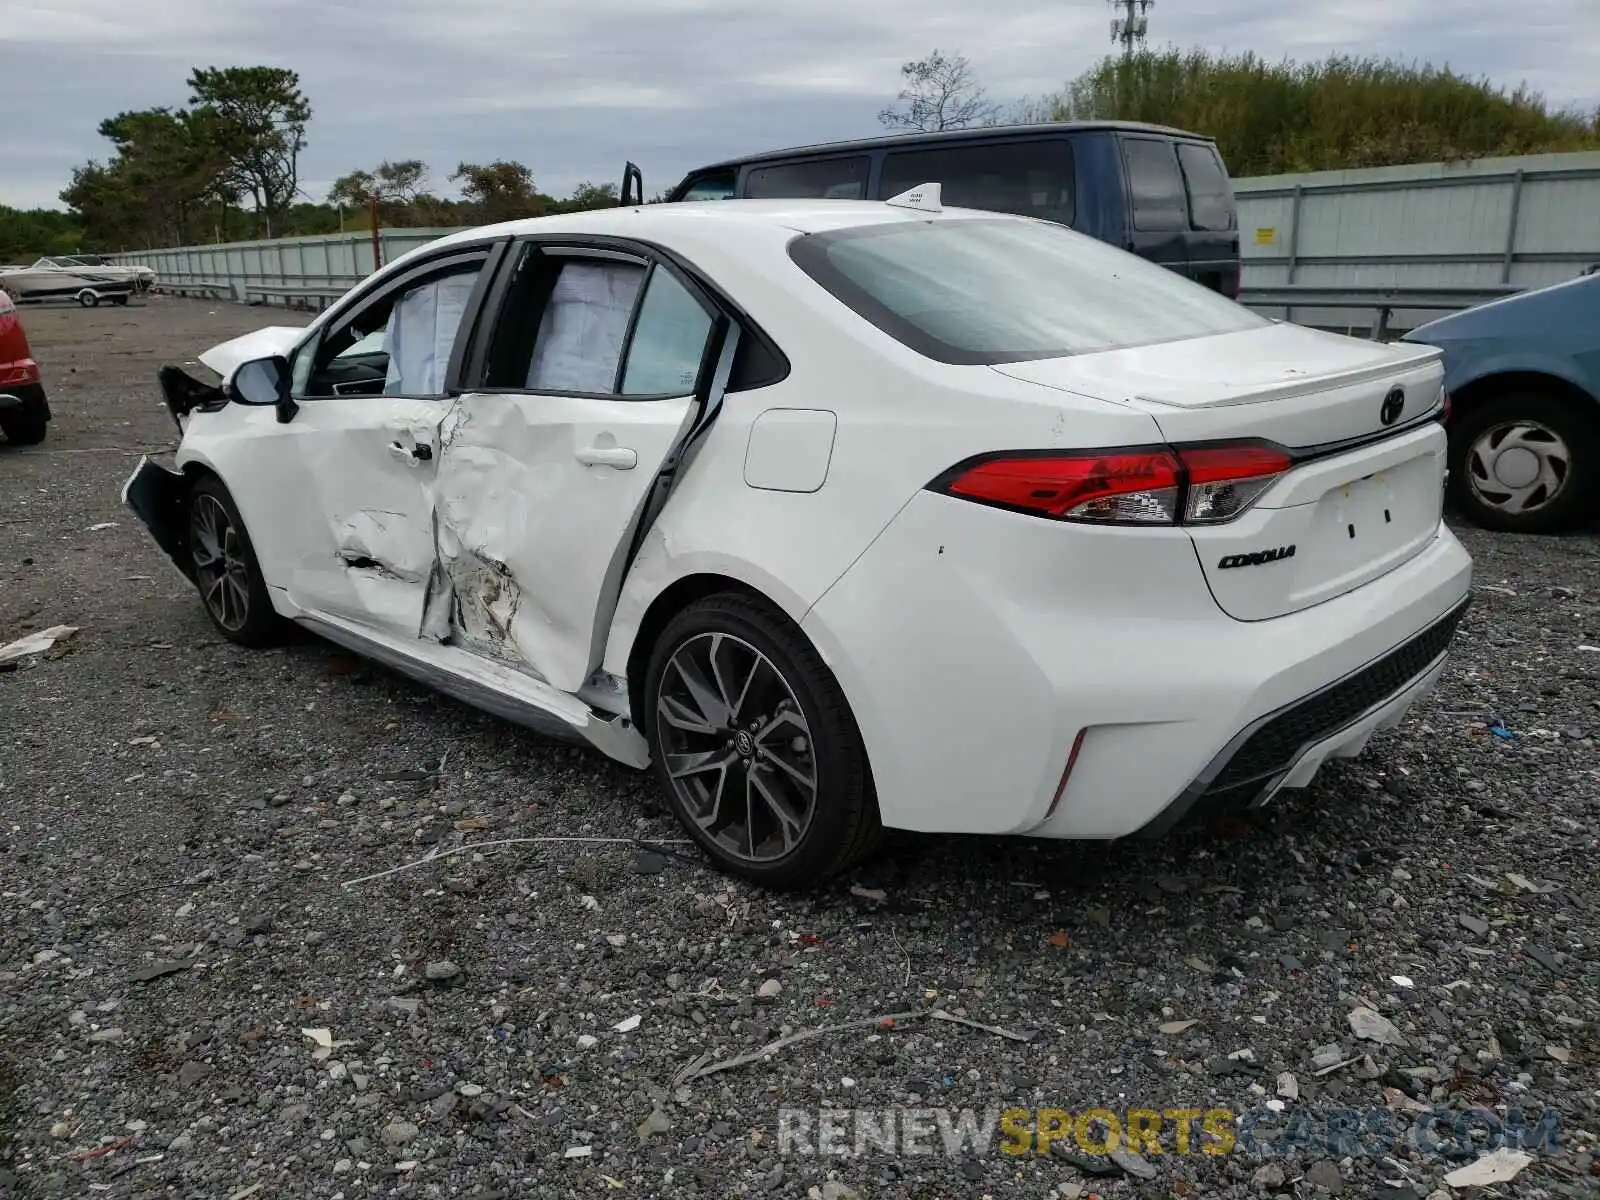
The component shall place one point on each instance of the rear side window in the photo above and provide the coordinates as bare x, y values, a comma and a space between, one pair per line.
1159, 202
1030, 179
1211, 205
584, 327
994, 290
825, 179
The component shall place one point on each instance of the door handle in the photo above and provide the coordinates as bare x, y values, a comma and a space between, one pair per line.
418, 453
620, 457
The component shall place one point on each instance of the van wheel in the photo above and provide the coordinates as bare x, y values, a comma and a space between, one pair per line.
755, 745
1526, 462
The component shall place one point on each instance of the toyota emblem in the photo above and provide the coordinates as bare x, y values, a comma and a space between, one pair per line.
1393, 405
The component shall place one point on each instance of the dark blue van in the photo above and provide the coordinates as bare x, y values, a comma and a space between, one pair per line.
1162, 193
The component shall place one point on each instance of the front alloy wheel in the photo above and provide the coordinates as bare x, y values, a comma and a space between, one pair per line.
219, 564
225, 569
755, 745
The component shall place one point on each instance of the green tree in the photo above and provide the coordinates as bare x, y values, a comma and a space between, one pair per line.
401, 188
168, 161
1274, 118
353, 190
939, 92
591, 195
501, 190
30, 234
257, 117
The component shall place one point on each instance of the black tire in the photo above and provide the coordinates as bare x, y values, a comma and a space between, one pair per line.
843, 825
241, 608
120, 301
89, 299
1574, 421
26, 426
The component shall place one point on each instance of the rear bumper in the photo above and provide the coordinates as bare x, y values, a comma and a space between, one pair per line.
1285, 748
974, 647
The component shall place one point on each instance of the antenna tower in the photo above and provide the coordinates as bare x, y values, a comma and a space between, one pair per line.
1131, 24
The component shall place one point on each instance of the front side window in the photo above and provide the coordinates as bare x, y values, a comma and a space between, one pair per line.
967, 290
420, 334
1159, 202
1030, 179
399, 346
820, 179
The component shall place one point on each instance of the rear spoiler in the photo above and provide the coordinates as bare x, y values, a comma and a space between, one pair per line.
632, 185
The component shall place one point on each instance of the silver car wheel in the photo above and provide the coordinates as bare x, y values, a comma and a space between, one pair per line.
1518, 466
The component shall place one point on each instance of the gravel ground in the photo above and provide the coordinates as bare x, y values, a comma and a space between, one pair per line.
178, 819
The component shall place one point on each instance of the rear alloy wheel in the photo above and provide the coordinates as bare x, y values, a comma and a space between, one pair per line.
756, 747
225, 569
1526, 462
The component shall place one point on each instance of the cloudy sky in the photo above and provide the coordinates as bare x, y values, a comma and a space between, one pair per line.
575, 87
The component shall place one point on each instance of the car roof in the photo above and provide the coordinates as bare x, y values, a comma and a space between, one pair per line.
668, 222
954, 137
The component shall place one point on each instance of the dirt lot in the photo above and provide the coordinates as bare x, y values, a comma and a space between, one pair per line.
178, 819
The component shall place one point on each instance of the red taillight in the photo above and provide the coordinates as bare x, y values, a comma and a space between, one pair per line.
1142, 486
1444, 413
17, 374
1136, 486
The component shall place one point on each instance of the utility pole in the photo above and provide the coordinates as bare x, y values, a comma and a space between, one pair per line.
1131, 25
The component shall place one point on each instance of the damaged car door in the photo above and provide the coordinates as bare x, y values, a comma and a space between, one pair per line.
371, 389
600, 363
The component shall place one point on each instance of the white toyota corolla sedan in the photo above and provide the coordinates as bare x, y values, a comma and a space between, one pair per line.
839, 515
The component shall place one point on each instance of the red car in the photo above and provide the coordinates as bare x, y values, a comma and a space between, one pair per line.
24, 411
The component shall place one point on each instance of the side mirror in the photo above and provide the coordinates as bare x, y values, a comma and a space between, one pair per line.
262, 382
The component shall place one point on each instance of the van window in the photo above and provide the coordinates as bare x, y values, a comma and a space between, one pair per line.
1211, 204
995, 289
1030, 179
717, 186
819, 179
1156, 189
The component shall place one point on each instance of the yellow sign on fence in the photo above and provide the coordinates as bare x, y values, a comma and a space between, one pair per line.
1266, 235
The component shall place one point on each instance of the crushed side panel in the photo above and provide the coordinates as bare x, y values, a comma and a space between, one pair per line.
483, 495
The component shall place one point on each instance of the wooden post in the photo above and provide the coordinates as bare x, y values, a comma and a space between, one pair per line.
377, 245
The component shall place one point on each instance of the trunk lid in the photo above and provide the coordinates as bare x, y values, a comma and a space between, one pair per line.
1367, 491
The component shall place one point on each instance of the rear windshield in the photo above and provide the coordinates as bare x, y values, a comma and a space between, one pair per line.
992, 291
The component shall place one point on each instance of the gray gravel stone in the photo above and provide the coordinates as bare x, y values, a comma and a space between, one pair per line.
398, 1133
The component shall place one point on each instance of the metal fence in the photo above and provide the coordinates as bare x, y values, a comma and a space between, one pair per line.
1337, 249
1482, 228
301, 272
